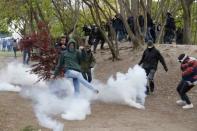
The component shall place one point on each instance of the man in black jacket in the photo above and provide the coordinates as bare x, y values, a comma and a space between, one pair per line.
149, 62
170, 29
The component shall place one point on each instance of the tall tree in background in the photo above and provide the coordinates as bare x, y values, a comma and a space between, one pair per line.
98, 15
64, 15
186, 5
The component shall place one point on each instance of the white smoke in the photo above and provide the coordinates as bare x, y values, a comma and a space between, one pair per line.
55, 99
126, 89
9, 87
17, 74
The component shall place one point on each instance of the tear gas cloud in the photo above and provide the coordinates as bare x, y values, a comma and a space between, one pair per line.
55, 98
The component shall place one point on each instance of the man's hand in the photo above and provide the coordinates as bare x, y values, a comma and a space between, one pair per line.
63, 46
166, 69
81, 47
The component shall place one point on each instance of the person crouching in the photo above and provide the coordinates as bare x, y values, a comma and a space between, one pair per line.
188, 81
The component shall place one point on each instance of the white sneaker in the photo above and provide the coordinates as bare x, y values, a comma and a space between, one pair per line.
190, 106
180, 102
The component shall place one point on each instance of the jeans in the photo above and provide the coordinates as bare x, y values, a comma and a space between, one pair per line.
26, 56
169, 36
182, 89
95, 44
87, 75
78, 78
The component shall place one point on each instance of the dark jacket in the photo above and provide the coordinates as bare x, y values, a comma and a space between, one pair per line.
69, 60
59, 48
189, 70
150, 59
88, 61
170, 23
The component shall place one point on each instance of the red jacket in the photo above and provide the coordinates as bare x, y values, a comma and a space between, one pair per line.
189, 70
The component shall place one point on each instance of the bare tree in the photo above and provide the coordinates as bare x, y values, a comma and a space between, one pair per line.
98, 14
186, 5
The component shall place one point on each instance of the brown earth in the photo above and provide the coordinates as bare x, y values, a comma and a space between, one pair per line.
161, 114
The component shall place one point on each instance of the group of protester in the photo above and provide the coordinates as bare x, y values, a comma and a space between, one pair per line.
94, 36
9, 45
149, 62
153, 29
75, 62
170, 32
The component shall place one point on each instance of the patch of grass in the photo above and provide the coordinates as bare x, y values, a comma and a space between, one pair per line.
10, 54
29, 128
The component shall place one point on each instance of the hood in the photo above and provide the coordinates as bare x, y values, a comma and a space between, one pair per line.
70, 42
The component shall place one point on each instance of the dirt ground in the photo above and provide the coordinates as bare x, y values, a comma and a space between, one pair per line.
161, 114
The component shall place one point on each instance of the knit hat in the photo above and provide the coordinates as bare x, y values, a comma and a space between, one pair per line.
182, 58
150, 44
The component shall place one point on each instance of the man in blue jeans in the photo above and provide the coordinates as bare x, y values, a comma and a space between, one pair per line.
25, 45
69, 62
26, 56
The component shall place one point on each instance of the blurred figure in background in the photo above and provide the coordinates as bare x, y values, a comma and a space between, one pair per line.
15, 47
170, 29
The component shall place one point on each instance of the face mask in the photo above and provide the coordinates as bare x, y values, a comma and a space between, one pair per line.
150, 49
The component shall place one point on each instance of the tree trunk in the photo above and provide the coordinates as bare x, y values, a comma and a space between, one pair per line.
149, 6
94, 9
186, 4
136, 41
60, 16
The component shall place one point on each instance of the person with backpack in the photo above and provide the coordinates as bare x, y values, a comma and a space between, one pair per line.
188, 80
149, 62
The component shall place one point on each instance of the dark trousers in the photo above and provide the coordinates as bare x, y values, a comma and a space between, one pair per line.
14, 49
169, 36
95, 43
102, 43
182, 88
87, 75
150, 76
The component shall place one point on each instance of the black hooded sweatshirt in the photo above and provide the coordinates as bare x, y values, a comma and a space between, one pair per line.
150, 59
